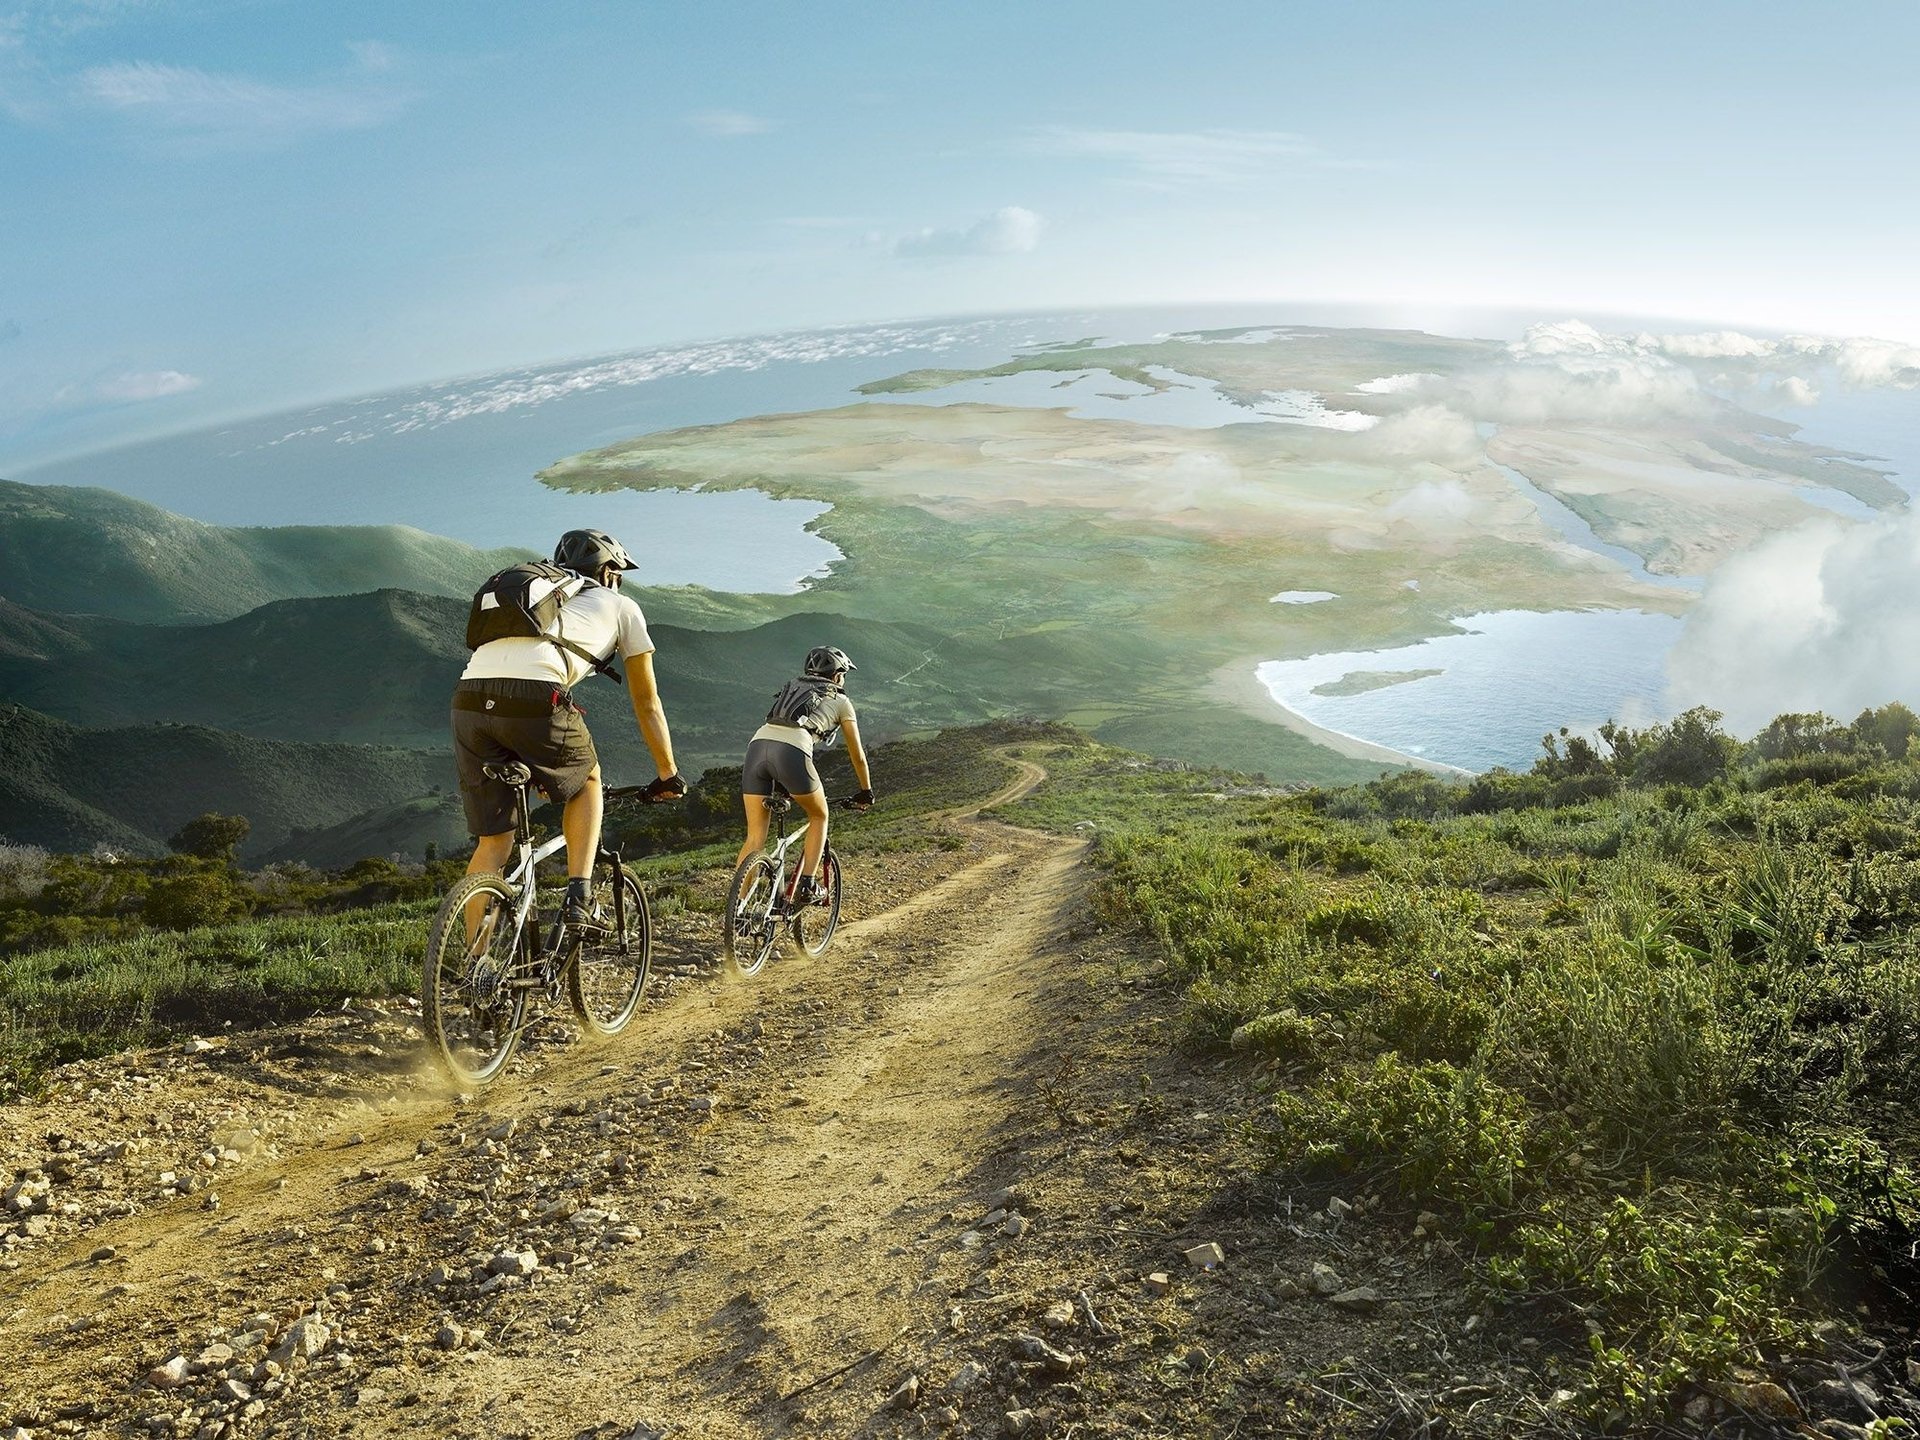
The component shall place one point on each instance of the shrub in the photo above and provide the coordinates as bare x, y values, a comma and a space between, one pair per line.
1431, 1130
211, 836
23, 870
185, 902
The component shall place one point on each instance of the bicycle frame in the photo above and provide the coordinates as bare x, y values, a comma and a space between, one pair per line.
522, 878
782, 840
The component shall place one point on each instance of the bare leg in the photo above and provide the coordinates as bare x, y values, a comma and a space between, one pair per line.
580, 823
814, 802
490, 852
756, 808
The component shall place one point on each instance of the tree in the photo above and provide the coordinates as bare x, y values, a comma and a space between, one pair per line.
1788, 737
1691, 750
1891, 727
211, 836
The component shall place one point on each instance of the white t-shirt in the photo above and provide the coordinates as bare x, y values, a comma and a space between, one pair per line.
597, 619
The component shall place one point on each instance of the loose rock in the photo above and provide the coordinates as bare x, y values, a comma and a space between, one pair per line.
1035, 1351
906, 1396
1205, 1257
514, 1262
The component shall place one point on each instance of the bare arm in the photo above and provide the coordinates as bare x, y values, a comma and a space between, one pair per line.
856, 752
649, 713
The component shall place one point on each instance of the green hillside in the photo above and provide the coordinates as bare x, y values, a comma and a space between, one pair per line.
66, 788
1636, 1030
406, 828
84, 551
376, 669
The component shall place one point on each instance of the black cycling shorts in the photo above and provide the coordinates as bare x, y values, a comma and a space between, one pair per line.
526, 720
774, 762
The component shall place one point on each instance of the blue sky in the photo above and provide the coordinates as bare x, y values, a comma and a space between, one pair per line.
214, 207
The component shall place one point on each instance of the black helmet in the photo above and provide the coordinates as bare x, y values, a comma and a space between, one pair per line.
827, 661
587, 552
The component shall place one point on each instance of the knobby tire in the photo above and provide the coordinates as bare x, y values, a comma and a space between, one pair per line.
473, 1019
813, 927
607, 974
750, 929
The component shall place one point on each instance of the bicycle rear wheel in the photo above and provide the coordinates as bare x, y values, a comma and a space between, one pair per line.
750, 930
607, 974
471, 1012
813, 927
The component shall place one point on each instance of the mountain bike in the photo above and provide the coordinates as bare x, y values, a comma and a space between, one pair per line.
760, 904
493, 949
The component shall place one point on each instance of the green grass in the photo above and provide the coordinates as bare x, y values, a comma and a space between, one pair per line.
78, 1001
136, 986
1655, 1051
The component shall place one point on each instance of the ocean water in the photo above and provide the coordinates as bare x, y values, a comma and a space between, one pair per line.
1507, 678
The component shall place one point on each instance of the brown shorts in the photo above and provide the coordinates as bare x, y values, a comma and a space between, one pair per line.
525, 720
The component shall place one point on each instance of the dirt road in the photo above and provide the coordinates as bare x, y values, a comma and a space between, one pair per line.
673, 1233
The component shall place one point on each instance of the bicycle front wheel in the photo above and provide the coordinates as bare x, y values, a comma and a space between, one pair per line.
813, 927
471, 1010
607, 974
749, 928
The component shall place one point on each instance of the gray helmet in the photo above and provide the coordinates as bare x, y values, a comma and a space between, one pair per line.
586, 552
827, 661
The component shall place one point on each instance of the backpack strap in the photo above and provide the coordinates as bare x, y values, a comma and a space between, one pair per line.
598, 665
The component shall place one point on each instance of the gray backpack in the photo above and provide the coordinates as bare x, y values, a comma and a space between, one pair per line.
807, 701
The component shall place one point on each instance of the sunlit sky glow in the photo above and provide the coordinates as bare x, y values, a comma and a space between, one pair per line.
213, 207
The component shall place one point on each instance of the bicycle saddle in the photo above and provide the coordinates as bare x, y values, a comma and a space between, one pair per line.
512, 773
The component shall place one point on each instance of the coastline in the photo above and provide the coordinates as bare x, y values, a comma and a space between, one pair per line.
1235, 684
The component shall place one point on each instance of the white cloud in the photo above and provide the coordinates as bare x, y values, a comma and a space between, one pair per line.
1794, 391
1396, 384
1863, 362
375, 55
231, 110
1710, 345
1819, 618
1434, 502
728, 124
1010, 230
1207, 157
1423, 432
138, 385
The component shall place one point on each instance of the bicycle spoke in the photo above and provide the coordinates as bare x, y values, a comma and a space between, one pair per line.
470, 1009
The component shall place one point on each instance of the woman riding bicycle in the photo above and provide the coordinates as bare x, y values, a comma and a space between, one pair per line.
807, 711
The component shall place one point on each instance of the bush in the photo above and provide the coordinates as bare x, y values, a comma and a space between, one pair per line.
185, 902
211, 837
23, 871
1431, 1130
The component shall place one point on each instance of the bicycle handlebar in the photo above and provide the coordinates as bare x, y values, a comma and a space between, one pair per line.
639, 793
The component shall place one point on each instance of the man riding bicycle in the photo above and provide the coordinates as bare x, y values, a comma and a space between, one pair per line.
808, 710
515, 702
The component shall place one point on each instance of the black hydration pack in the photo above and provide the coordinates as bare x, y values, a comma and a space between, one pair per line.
522, 602
806, 701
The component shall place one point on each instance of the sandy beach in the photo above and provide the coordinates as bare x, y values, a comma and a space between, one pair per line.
1236, 684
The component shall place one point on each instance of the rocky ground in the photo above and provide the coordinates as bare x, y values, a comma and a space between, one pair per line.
948, 1179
